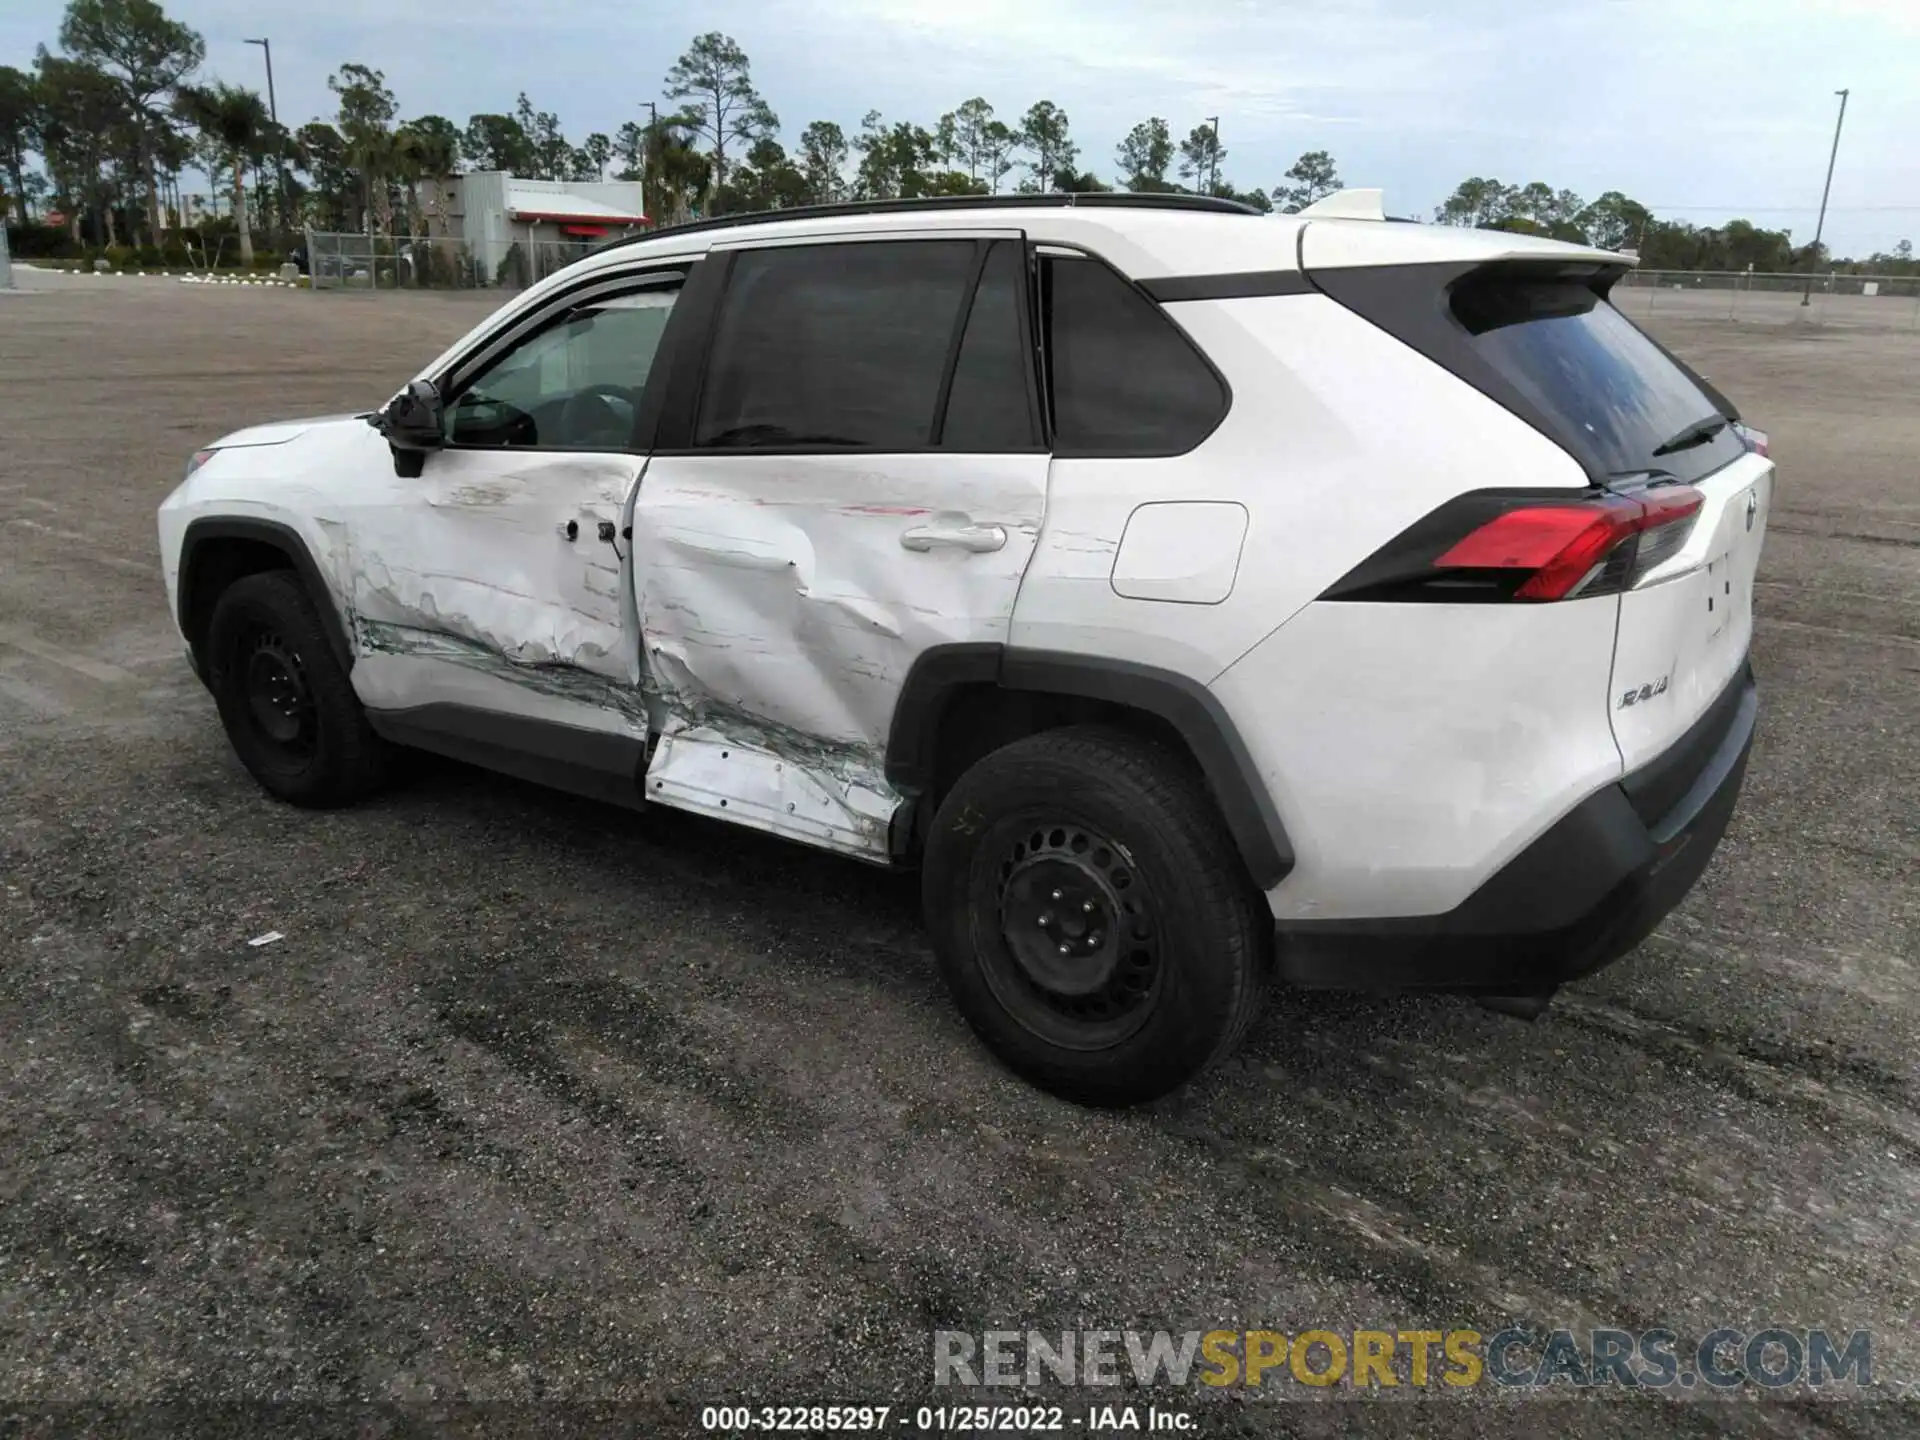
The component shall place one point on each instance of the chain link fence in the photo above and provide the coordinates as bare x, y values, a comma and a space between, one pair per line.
1858, 302
1866, 302
416, 262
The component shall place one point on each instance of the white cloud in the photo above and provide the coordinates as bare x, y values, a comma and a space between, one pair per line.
1677, 103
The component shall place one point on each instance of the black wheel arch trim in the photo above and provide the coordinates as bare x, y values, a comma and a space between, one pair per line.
209, 530
1192, 710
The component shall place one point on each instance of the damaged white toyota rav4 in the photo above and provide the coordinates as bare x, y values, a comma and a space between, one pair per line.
1191, 595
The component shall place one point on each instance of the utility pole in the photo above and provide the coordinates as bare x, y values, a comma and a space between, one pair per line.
1806, 296
273, 114
1213, 155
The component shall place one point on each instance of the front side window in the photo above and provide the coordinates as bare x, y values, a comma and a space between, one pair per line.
864, 345
574, 385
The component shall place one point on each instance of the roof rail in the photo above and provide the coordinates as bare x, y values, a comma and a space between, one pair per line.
1102, 199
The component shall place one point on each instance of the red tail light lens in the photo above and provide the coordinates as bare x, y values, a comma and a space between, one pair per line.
1566, 546
1754, 440
1491, 546
1560, 545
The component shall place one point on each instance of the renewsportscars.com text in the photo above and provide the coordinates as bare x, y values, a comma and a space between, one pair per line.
1460, 1358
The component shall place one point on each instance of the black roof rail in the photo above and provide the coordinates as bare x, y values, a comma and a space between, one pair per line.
1101, 199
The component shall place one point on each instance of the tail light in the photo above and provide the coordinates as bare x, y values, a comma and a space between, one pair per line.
1754, 440
199, 458
1500, 546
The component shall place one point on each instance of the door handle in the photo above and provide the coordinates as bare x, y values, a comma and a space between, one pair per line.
977, 538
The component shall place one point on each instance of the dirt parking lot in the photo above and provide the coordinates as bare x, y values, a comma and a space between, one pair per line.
544, 1102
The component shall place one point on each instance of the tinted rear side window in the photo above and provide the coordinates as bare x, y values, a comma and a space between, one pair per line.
1123, 378
1607, 392
836, 345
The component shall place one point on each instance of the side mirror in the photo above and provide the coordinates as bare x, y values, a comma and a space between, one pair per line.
413, 422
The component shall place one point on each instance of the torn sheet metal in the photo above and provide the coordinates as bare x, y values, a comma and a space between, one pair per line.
714, 773
401, 667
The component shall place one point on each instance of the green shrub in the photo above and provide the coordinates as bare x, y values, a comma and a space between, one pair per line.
42, 242
512, 271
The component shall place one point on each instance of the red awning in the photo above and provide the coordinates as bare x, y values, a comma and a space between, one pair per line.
583, 229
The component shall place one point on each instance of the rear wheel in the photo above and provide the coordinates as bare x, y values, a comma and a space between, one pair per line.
285, 700
1091, 916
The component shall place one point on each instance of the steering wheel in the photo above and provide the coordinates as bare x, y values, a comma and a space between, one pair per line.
600, 415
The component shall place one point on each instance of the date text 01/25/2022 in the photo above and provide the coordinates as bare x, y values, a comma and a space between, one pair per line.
945, 1419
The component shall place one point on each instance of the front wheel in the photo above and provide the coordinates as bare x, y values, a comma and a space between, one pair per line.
1091, 916
286, 702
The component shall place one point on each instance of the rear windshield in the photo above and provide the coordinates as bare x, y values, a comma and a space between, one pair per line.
1608, 392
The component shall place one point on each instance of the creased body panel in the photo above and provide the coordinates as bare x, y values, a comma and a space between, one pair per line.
472, 562
781, 609
309, 487
465, 568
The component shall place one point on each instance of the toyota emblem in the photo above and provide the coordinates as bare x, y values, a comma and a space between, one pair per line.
1753, 508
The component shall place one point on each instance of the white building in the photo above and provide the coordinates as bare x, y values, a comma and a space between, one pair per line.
548, 219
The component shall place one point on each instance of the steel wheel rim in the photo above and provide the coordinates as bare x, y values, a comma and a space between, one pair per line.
277, 701
1078, 959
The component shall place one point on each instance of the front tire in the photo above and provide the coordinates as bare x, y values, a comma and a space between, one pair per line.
285, 700
1092, 918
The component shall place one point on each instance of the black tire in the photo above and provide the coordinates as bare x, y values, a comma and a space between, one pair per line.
1153, 966
285, 700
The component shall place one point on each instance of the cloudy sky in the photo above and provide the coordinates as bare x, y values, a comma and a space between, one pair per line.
1701, 110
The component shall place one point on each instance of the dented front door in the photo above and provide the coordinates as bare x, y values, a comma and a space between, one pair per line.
488, 574
499, 578
786, 580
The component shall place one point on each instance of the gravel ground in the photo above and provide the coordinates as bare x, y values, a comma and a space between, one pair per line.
543, 1104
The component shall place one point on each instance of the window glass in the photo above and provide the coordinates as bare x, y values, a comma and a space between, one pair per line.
575, 385
834, 345
988, 409
1622, 405
1123, 379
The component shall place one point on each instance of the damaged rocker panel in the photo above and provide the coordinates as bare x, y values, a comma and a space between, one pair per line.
561, 682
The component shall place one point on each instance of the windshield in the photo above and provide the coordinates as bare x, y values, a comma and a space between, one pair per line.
1605, 385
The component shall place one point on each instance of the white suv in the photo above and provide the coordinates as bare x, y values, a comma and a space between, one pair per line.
1189, 594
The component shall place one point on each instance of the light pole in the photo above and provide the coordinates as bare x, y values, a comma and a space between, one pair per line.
273, 114
1213, 154
1806, 296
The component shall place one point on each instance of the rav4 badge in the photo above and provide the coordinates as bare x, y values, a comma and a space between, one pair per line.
1645, 692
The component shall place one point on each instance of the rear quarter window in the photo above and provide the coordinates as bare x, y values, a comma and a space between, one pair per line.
1122, 378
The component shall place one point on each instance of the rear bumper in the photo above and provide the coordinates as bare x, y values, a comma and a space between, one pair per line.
1581, 896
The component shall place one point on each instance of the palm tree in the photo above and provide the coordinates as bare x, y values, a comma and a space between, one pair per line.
375, 155
425, 153
234, 122
679, 174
